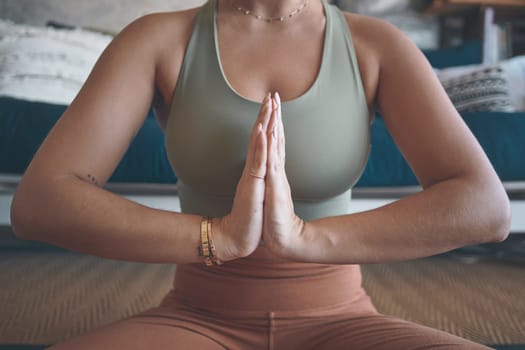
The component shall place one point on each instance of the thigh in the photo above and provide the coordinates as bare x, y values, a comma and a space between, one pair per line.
141, 333
381, 332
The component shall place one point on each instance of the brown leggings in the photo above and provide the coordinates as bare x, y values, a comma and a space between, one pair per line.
281, 307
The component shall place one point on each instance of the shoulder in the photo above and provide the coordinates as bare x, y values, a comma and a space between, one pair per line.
379, 46
380, 39
153, 31
167, 22
385, 42
159, 41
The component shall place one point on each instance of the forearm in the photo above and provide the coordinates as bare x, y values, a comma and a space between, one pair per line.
445, 216
79, 216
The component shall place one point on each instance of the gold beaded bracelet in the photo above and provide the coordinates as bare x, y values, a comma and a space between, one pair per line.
213, 251
207, 247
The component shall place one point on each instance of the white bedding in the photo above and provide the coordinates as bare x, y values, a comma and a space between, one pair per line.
46, 64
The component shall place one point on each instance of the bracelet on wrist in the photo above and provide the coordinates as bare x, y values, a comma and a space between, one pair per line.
207, 247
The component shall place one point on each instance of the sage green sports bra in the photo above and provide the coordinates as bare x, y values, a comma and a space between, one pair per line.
326, 128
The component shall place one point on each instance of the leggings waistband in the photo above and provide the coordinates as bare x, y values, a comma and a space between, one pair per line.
233, 286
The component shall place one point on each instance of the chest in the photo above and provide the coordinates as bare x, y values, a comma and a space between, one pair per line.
327, 144
256, 63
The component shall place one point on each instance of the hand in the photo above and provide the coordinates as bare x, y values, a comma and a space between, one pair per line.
239, 233
281, 228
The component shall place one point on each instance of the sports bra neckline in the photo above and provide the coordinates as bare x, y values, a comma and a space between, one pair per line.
295, 100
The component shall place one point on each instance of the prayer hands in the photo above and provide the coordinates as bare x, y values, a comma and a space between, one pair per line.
281, 226
240, 231
263, 206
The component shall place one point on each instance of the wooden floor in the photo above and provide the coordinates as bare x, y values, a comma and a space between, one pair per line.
47, 296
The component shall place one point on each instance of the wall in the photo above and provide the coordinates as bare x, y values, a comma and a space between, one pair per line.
113, 15
108, 15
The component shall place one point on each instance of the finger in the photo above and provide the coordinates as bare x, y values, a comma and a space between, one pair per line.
262, 119
273, 152
265, 116
281, 137
273, 119
277, 99
258, 165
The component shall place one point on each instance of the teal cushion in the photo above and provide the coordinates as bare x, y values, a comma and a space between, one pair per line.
386, 165
467, 54
24, 125
502, 136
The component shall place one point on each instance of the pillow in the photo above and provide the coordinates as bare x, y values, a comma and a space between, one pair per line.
467, 54
25, 124
515, 69
484, 88
46, 64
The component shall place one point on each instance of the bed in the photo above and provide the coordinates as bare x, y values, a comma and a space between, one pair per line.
43, 67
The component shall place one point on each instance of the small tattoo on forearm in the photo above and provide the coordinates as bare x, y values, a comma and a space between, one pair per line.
92, 179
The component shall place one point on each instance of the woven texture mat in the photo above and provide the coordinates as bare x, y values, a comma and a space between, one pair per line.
47, 296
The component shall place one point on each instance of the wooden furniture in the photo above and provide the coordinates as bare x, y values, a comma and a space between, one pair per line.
482, 19
444, 6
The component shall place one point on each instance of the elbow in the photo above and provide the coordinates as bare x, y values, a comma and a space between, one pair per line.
499, 217
25, 207
18, 216
487, 212
501, 224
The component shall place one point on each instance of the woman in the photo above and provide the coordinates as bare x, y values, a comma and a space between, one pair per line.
289, 250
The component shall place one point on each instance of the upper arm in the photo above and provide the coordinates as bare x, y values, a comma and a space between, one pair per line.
422, 120
95, 131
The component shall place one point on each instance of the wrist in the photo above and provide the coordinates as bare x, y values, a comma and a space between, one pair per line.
225, 246
299, 249
293, 245
222, 249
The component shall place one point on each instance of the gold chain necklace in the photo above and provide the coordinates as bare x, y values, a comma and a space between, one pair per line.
247, 12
